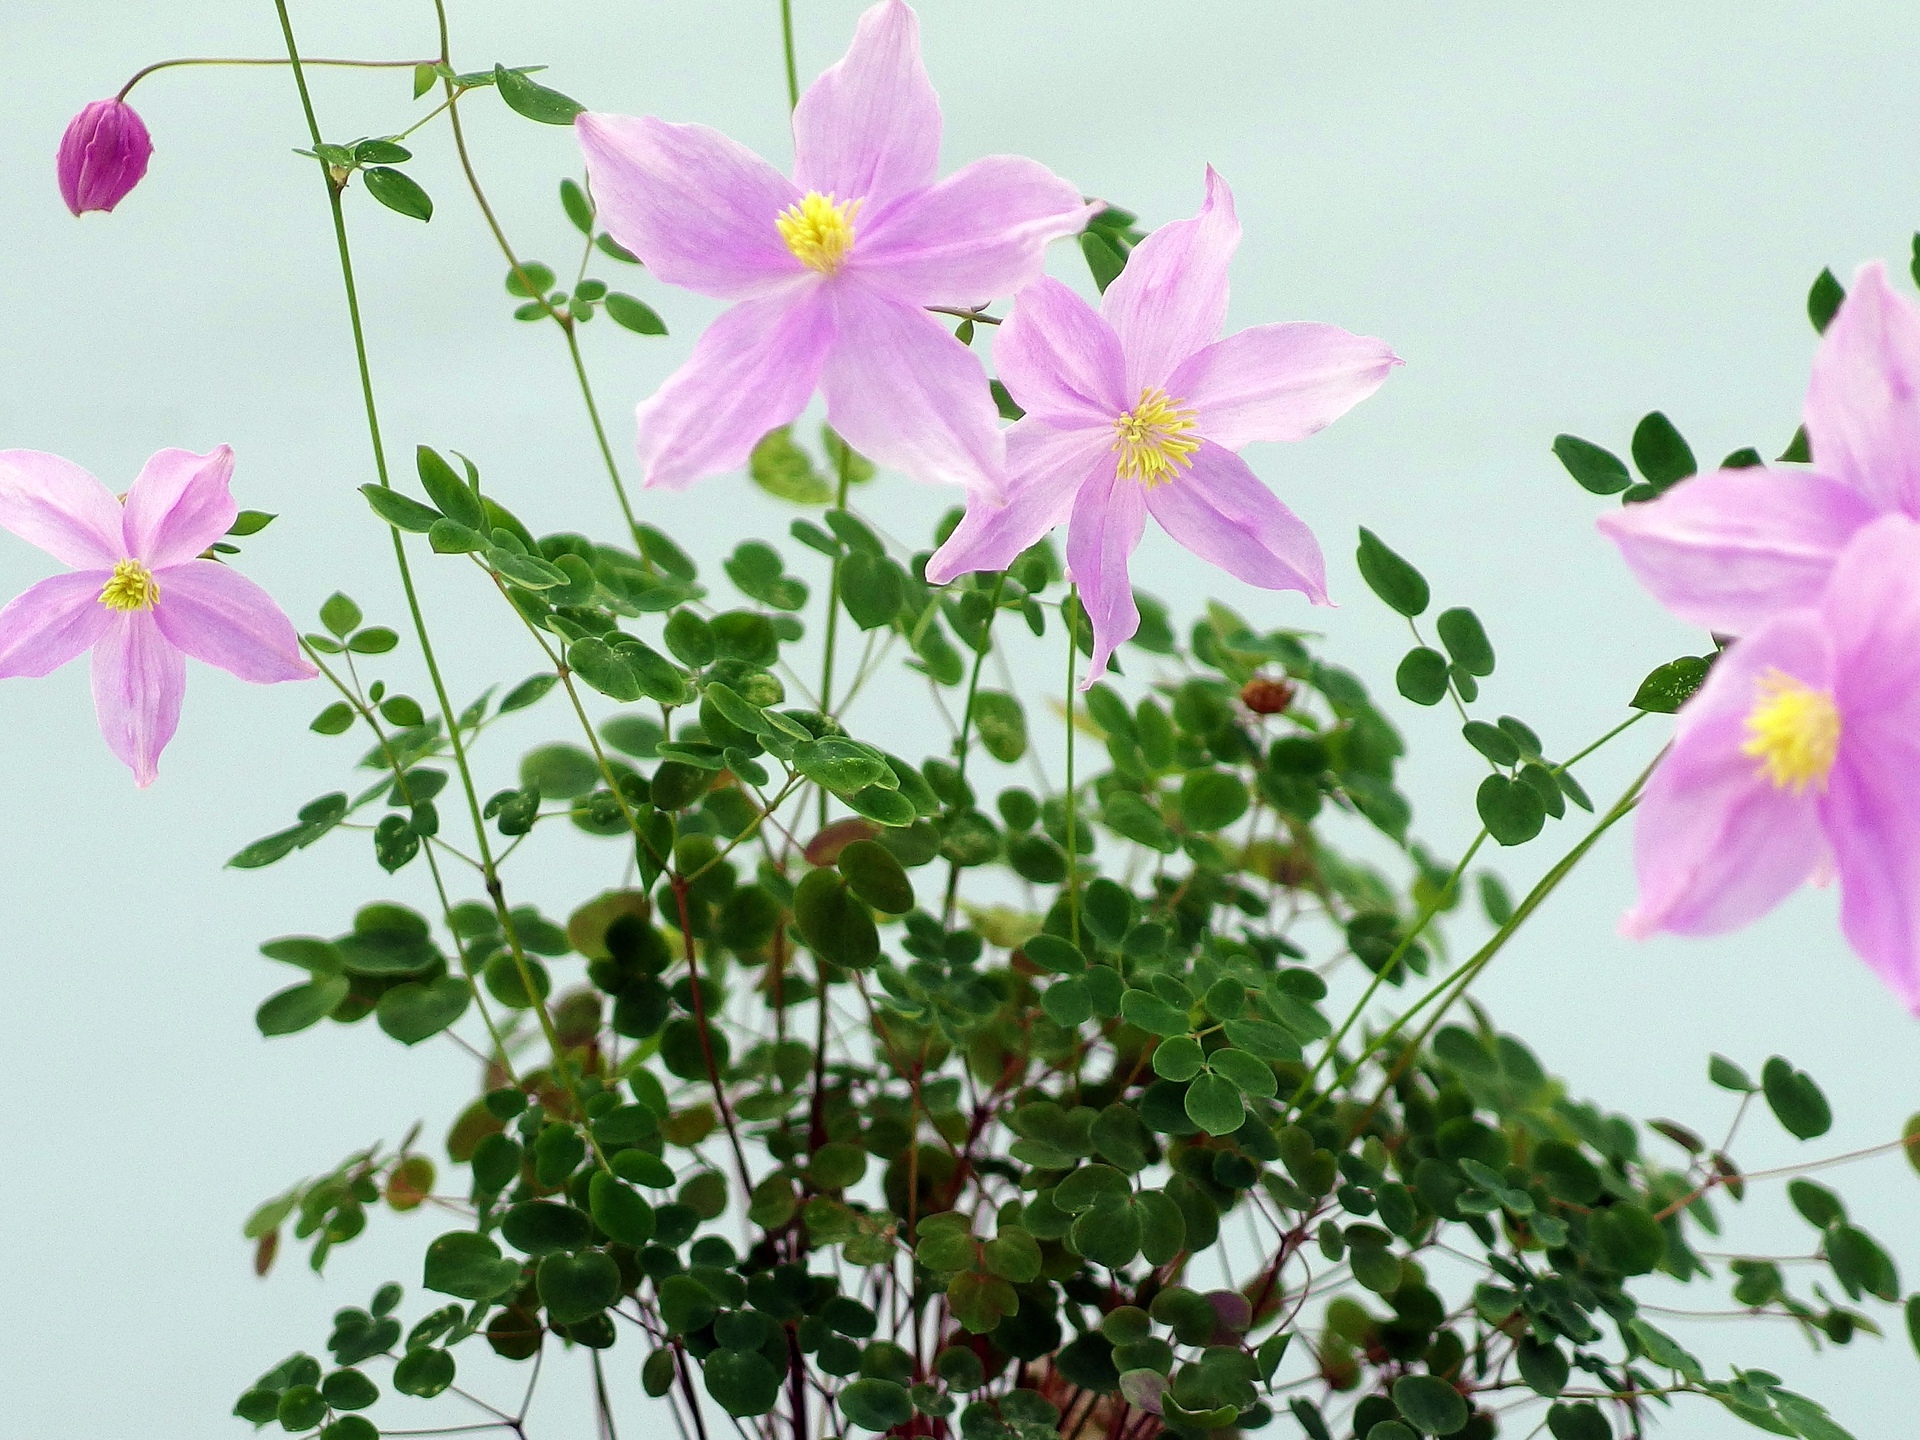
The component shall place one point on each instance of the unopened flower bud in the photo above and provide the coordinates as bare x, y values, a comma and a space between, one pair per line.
102, 156
1264, 695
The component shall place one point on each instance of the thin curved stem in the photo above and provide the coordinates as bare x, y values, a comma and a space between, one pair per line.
793, 73
159, 65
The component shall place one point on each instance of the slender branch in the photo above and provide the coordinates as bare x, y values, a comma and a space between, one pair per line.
1072, 608
786, 35
159, 65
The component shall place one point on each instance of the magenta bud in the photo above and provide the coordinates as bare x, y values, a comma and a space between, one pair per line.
102, 156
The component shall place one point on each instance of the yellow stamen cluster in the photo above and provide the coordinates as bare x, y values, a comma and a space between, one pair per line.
1152, 439
131, 588
818, 231
1794, 732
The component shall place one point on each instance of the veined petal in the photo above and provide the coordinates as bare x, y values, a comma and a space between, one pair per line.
1872, 610
1863, 398
1279, 382
1109, 515
869, 127
754, 368
1045, 470
905, 393
1060, 360
56, 505
1220, 511
980, 233
1716, 843
44, 627
1872, 807
1728, 550
179, 505
1171, 300
216, 615
138, 682
696, 207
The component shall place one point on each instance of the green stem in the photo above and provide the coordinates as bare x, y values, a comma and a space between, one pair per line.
157, 65
1073, 804
833, 612
793, 74
495, 890
1438, 903
960, 746
1623, 726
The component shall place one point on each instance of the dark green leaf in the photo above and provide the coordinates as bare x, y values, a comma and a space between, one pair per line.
1466, 641
398, 511
1433, 1405
454, 498
579, 208
1422, 676
533, 100
1671, 685
1795, 1100
1823, 300
634, 315
1597, 470
296, 1008
1510, 809
398, 191
1390, 577
1660, 453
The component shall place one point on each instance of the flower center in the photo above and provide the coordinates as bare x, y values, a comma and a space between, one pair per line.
818, 231
1794, 732
131, 588
1152, 440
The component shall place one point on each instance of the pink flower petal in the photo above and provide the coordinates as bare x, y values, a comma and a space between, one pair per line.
44, 627
102, 156
1717, 844
1872, 805
1060, 360
1045, 469
905, 393
1171, 300
869, 127
179, 505
696, 207
56, 505
1221, 512
1279, 382
216, 615
980, 233
1863, 399
754, 368
1727, 550
1109, 515
138, 682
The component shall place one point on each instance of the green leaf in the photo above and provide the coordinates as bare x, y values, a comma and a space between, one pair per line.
877, 877
579, 208
781, 468
529, 691
685, 1304
577, 1287
634, 315
1511, 810
398, 191
1433, 1405
1250, 1076
1823, 300
300, 1006
833, 922
1212, 799
469, 1266
452, 495
1422, 676
340, 615
1214, 1104
414, 1010
529, 279
1729, 1076
1491, 741
1105, 260
424, 1372
873, 588
744, 1382
876, 1404
398, 511
1150, 1013
1660, 453
1910, 1134
533, 100
423, 77
1002, 725
1466, 640
1860, 1264
1795, 1100
374, 640
1913, 1315
1597, 470
1390, 577
1671, 685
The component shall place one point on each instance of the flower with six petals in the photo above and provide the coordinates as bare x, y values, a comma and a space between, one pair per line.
1800, 757
1142, 408
139, 594
832, 270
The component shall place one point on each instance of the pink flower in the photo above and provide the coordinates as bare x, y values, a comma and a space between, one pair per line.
832, 269
102, 156
1142, 408
1728, 550
1801, 756
139, 596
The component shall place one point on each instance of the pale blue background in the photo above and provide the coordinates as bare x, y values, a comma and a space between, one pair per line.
1561, 217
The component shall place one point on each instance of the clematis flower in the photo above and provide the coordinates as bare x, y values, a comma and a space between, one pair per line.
832, 269
138, 596
1141, 408
1729, 549
1800, 757
102, 156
